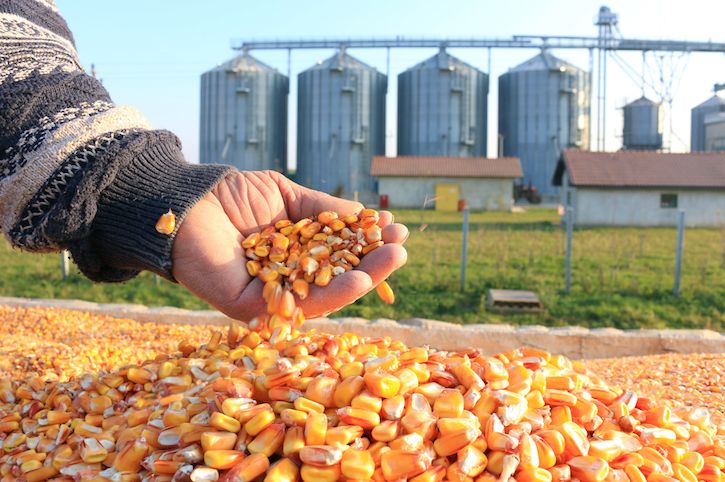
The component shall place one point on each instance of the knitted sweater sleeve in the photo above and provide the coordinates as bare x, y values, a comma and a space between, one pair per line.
77, 171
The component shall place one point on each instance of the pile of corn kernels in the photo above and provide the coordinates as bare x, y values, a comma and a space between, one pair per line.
267, 402
320, 407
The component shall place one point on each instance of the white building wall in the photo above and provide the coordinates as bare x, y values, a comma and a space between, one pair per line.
480, 193
641, 207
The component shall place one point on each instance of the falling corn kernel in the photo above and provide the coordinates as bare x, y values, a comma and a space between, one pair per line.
166, 223
385, 292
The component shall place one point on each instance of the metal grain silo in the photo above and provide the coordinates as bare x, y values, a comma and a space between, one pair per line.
712, 105
642, 125
543, 108
340, 126
244, 115
442, 108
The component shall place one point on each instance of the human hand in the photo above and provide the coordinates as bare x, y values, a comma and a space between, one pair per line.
209, 261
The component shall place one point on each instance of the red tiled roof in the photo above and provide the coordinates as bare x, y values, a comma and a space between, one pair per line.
642, 169
432, 166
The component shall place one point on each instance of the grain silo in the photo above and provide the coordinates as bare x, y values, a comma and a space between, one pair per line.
713, 105
642, 125
340, 126
442, 108
244, 115
543, 108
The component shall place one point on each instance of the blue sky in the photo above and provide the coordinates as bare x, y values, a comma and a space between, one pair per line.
150, 54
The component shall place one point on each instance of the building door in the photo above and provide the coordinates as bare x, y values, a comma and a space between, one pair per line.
447, 196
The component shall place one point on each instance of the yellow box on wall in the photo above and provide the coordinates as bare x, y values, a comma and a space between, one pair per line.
447, 196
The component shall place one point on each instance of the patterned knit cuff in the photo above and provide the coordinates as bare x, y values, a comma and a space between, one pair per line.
123, 239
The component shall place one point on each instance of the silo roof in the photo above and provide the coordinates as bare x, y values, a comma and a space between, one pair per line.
245, 63
440, 59
715, 100
544, 61
642, 101
341, 60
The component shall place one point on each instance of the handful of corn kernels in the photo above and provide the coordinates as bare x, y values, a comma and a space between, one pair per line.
289, 257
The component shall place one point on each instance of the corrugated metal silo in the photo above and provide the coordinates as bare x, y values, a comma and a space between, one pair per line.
543, 107
712, 105
244, 115
642, 125
340, 126
442, 109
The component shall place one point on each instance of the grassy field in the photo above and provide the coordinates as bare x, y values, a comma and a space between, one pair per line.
621, 277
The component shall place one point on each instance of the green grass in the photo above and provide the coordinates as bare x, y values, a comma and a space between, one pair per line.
622, 277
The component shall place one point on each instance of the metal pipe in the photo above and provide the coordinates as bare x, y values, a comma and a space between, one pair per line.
678, 253
569, 219
517, 41
464, 248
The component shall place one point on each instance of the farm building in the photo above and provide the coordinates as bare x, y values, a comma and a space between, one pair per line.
643, 188
411, 182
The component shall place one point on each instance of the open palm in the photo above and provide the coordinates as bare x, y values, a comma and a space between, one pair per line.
209, 261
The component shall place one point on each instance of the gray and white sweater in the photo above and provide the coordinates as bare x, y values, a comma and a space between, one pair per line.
77, 171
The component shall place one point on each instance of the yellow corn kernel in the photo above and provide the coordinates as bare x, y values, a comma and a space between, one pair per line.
454, 441
218, 440
222, 459
306, 405
224, 422
693, 461
268, 441
351, 369
575, 438
401, 464
385, 292
294, 440
315, 428
248, 469
259, 422
393, 408
471, 461
449, 404
534, 474
166, 223
367, 401
284, 470
342, 436
682, 473
322, 390
386, 431
312, 473
40, 474
356, 416
357, 464
383, 385
91, 451
349, 388
588, 469
292, 417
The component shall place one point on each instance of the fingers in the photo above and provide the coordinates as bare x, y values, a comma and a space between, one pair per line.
342, 291
379, 264
386, 218
395, 234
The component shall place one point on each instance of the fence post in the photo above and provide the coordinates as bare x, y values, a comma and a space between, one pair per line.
569, 219
464, 248
678, 253
64, 262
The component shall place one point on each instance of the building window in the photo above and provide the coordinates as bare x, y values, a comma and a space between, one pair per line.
668, 201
